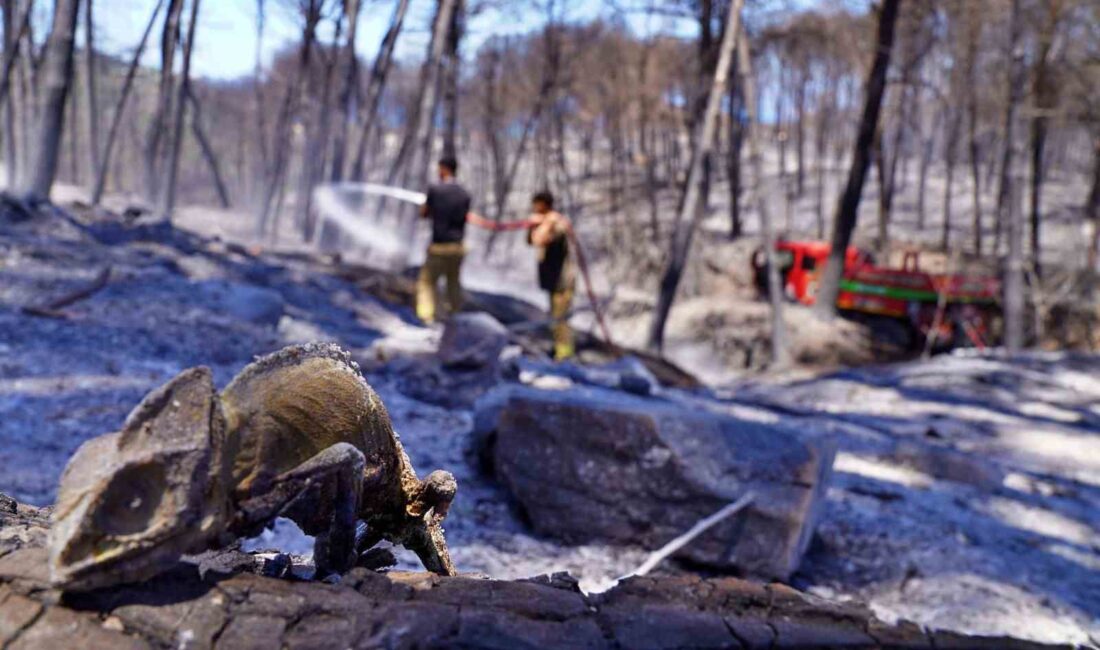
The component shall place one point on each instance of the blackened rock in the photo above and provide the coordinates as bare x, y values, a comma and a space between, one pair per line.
277, 566
590, 464
635, 384
426, 380
243, 302
628, 374
180, 609
472, 340
376, 559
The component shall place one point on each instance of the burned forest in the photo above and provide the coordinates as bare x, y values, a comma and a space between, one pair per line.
549, 323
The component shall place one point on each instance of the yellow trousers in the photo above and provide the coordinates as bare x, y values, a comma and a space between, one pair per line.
561, 301
443, 261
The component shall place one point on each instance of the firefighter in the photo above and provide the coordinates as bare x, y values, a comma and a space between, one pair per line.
549, 234
446, 206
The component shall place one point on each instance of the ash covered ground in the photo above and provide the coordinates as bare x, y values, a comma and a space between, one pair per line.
966, 494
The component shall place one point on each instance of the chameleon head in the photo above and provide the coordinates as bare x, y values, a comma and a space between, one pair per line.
434, 495
130, 503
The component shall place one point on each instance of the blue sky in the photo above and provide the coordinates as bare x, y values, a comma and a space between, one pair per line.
226, 41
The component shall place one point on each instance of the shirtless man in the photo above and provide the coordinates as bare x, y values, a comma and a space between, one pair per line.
549, 234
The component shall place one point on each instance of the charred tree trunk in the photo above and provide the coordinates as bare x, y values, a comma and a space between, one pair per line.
349, 93
951, 150
800, 132
614, 166
275, 181
928, 147
317, 132
207, 150
7, 9
888, 163
1043, 90
976, 185
71, 118
29, 99
884, 191
826, 110
261, 168
1092, 205
175, 145
1015, 83
848, 206
16, 24
491, 115
973, 34
780, 122
646, 143
159, 124
733, 156
505, 180
429, 99
452, 63
411, 159
780, 356
57, 71
1008, 197
708, 59
566, 182
1013, 299
91, 90
1037, 143
414, 158
120, 108
691, 207
379, 74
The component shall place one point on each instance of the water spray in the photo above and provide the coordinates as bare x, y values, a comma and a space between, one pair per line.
330, 207
399, 193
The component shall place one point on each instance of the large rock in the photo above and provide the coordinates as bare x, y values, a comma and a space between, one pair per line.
590, 464
472, 340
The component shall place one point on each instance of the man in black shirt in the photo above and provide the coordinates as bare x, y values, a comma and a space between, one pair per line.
447, 206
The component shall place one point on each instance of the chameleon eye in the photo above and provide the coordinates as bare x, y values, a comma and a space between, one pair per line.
130, 502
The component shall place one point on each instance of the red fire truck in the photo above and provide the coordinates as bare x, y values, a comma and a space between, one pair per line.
962, 310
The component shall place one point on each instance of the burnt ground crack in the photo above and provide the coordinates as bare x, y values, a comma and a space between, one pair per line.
604, 625
223, 601
736, 637
26, 626
871, 635
775, 634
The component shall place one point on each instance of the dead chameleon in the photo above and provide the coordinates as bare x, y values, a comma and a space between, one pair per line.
297, 434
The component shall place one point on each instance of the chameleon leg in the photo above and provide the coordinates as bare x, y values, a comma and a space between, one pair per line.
322, 496
426, 540
428, 506
334, 549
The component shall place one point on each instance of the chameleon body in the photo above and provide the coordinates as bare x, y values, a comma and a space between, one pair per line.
297, 434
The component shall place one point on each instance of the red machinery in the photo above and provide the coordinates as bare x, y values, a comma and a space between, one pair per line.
961, 309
